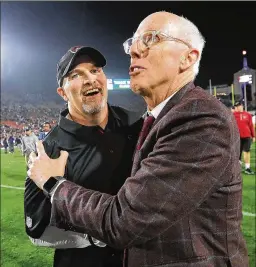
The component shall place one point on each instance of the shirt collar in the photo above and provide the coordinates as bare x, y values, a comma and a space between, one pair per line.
156, 110
78, 129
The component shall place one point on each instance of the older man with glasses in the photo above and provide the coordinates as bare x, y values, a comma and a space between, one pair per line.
181, 205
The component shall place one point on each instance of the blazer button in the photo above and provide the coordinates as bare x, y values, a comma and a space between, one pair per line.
111, 151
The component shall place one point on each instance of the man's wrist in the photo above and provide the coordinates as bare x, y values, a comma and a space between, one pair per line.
51, 184
61, 180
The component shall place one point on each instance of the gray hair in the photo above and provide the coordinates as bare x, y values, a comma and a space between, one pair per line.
193, 36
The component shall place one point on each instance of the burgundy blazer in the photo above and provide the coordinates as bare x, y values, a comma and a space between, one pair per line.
182, 204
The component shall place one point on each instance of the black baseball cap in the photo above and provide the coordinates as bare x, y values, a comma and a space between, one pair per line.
65, 63
238, 103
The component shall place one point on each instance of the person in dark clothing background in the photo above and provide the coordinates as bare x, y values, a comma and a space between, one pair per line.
11, 143
100, 139
18, 142
46, 129
5, 144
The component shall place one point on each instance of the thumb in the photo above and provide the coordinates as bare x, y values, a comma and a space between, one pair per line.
63, 156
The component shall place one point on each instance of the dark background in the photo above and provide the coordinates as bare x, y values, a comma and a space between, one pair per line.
34, 35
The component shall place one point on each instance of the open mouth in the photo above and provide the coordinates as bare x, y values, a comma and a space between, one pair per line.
92, 92
135, 70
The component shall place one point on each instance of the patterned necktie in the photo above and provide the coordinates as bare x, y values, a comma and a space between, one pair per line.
147, 124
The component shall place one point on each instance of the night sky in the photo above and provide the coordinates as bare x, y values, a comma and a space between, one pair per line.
34, 35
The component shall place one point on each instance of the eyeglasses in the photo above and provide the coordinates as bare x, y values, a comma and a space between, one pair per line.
148, 39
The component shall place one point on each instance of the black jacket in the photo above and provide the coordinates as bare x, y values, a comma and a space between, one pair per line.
98, 159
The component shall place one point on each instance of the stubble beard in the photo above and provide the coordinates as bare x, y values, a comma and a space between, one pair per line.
94, 108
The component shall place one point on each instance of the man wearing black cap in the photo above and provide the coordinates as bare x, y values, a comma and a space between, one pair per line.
100, 140
246, 130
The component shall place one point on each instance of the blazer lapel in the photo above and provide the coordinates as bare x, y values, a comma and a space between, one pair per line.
171, 103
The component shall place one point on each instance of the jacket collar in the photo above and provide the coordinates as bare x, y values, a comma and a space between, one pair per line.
78, 129
174, 100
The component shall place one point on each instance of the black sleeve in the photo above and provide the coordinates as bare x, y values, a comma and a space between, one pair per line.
37, 207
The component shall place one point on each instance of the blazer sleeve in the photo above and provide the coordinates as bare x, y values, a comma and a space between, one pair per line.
37, 207
189, 161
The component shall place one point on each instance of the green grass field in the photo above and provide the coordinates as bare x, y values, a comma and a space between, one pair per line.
16, 249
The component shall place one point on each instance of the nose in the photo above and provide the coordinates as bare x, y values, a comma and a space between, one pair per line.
89, 79
134, 50
138, 50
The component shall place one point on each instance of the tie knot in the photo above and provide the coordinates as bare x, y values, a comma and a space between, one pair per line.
149, 120
147, 124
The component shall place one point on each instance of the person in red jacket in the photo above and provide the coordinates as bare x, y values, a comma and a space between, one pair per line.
246, 129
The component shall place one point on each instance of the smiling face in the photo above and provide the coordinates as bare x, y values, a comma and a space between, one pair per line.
85, 88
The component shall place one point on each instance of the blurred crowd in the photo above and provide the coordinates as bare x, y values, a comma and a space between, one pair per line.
17, 120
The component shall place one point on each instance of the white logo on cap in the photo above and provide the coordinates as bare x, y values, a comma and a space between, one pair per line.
74, 49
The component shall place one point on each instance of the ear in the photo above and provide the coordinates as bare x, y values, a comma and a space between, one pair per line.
189, 60
62, 93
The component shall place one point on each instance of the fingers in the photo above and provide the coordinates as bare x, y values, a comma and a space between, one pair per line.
63, 156
40, 148
32, 157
